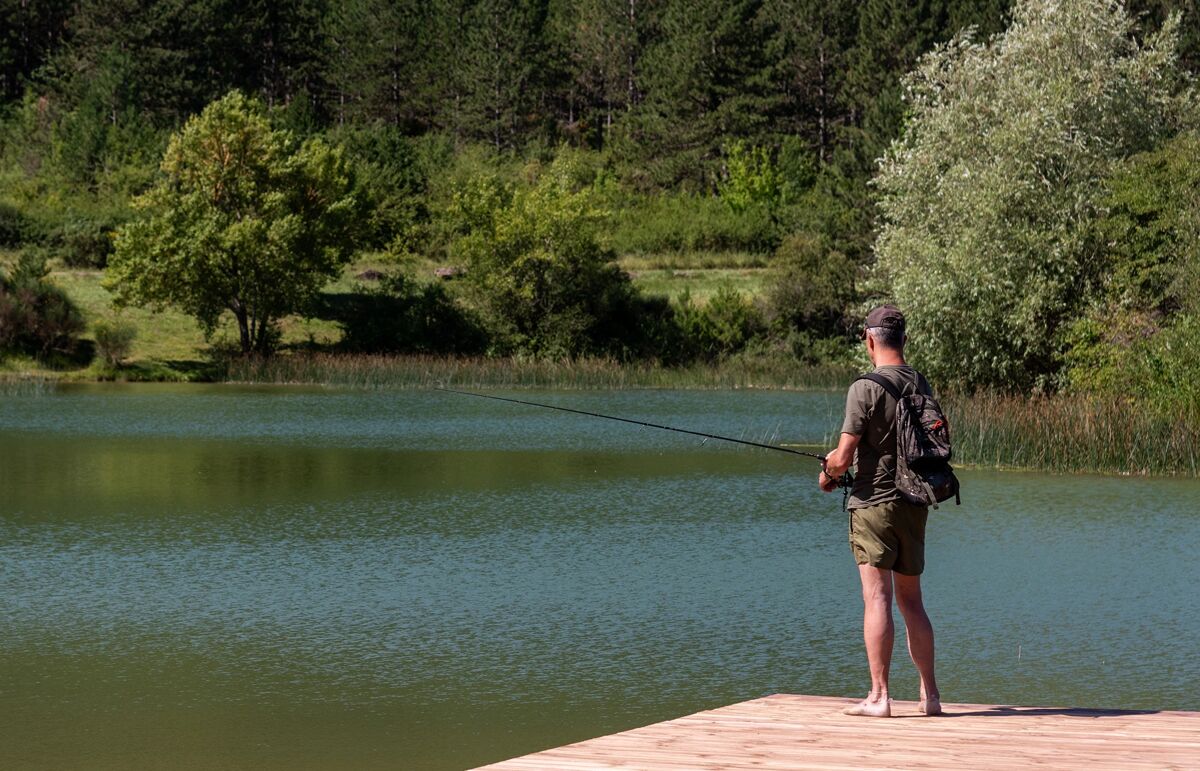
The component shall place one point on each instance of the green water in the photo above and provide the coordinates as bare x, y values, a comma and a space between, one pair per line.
218, 577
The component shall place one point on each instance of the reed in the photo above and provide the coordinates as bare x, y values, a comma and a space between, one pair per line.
21, 385
1075, 433
384, 372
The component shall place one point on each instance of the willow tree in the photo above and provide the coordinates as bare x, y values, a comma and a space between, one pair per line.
244, 219
988, 196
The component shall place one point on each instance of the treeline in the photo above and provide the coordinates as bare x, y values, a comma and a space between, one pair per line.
661, 87
475, 133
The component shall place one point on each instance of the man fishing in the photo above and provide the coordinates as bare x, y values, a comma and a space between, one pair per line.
887, 532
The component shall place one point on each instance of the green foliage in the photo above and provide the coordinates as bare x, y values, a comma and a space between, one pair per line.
813, 288
1150, 226
706, 80
114, 340
725, 325
36, 317
245, 219
751, 179
14, 225
1138, 337
401, 316
989, 195
389, 179
673, 222
535, 268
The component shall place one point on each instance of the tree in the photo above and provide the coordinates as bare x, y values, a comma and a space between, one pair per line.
809, 50
32, 32
535, 268
604, 41
245, 219
499, 66
988, 197
380, 61
705, 80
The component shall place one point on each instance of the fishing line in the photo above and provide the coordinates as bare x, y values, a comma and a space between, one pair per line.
638, 423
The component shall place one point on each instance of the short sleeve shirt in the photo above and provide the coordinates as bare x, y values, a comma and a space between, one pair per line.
871, 415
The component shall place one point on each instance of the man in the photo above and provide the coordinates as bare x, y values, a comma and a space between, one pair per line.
887, 533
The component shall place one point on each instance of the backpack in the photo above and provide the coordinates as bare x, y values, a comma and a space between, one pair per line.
923, 473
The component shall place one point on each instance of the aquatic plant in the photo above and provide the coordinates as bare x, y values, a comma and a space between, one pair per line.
378, 372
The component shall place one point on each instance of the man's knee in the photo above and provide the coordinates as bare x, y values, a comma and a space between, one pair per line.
908, 594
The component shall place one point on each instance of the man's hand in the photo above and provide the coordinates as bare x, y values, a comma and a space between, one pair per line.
837, 462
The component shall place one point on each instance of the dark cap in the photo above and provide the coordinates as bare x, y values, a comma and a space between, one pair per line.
885, 316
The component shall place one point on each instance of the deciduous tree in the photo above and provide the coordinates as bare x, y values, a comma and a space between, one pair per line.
245, 219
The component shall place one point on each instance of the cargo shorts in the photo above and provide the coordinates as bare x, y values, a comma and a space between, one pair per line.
890, 535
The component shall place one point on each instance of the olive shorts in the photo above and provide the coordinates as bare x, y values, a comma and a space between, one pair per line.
890, 535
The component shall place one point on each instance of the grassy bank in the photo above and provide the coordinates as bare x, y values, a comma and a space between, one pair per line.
428, 371
169, 345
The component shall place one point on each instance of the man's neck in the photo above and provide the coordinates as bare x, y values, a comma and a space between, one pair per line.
886, 358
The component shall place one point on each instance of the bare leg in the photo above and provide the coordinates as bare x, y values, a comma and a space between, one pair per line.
879, 631
918, 630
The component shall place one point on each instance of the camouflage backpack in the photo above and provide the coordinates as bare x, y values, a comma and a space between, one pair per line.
923, 473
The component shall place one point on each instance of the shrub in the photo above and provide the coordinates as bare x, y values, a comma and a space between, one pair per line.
388, 177
114, 340
813, 287
723, 326
670, 222
535, 268
14, 225
36, 317
399, 315
988, 197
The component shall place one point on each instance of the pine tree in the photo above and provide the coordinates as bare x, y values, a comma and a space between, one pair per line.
31, 33
379, 62
498, 65
706, 81
604, 42
809, 51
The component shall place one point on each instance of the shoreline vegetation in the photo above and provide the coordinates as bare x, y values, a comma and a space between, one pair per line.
1052, 434
706, 224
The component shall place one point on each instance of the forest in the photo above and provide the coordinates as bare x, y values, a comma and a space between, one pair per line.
637, 180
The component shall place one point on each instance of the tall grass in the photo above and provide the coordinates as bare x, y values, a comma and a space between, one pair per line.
379, 372
20, 385
1075, 434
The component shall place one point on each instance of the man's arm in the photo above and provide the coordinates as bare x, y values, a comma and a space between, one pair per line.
837, 461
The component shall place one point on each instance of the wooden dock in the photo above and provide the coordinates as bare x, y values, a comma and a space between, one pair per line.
810, 732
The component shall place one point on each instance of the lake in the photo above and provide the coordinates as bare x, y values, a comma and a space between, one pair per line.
291, 578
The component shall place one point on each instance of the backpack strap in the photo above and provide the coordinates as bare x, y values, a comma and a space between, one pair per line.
882, 381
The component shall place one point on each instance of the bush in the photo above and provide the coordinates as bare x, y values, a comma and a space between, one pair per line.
400, 316
669, 222
535, 269
813, 287
36, 317
388, 178
114, 340
14, 225
726, 325
85, 242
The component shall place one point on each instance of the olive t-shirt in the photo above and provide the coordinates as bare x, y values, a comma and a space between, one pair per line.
871, 415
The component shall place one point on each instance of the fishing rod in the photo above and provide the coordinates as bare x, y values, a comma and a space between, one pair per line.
845, 481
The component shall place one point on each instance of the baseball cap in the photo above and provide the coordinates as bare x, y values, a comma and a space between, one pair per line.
884, 316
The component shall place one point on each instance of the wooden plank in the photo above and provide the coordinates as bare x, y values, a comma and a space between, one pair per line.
790, 731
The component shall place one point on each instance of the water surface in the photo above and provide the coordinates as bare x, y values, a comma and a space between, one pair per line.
209, 576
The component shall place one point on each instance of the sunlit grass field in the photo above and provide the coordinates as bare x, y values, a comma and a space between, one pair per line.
170, 345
